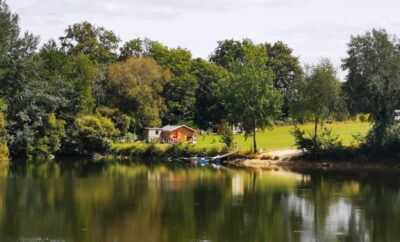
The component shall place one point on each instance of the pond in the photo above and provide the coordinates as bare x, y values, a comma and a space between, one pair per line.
82, 201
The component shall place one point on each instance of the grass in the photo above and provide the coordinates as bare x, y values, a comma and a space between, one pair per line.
166, 150
281, 138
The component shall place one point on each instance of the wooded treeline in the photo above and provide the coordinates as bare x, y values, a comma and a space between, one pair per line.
76, 94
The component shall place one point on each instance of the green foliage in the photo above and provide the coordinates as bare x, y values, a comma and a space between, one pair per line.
135, 88
128, 138
227, 136
327, 145
122, 121
286, 67
16, 54
90, 134
373, 81
319, 96
50, 142
248, 93
3, 137
133, 48
72, 76
97, 43
390, 147
230, 51
287, 72
209, 108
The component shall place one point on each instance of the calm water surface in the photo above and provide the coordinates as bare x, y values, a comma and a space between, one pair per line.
86, 202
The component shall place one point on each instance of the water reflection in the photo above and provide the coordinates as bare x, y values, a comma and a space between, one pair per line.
86, 201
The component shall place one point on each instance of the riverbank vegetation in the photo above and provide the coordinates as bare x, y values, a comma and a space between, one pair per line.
141, 150
87, 92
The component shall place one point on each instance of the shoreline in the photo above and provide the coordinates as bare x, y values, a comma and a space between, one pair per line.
289, 163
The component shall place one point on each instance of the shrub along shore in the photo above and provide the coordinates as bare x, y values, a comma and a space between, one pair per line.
175, 150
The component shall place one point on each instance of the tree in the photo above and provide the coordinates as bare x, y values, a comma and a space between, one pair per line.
135, 88
229, 52
32, 121
248, 93
209, 108
373, 80
98, 43
3, 133
319, 96
179, 93
287, 70
286, 67
16, 54
75, 76
133, 48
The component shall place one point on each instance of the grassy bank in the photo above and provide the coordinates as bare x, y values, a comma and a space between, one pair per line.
166, 150
281, 138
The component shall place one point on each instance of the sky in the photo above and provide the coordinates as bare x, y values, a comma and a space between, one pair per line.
314, 29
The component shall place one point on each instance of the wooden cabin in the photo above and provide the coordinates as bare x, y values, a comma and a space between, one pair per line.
171, 134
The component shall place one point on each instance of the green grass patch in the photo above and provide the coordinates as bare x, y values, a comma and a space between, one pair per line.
166, 150
280, 137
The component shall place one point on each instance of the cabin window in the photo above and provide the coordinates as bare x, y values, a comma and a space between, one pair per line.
157, 132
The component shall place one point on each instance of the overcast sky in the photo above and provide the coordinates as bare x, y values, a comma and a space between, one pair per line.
313, 28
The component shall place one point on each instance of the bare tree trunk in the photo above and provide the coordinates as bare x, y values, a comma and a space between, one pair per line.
315, 133
254, 140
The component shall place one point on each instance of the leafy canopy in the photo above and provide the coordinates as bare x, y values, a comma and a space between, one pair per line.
248, 93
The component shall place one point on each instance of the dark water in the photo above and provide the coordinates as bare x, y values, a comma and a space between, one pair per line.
114, 202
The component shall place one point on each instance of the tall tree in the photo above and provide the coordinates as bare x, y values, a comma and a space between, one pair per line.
285, 66
179, 93
287, 71
373, 80
319, 95
209, 108
98, 43
74, 74
135, 88
16, 54
230, 51
249, 95
3, 133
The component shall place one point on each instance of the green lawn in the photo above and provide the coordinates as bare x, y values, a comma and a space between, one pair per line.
280, 137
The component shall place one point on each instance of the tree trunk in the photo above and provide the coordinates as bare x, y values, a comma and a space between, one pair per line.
254, 140
315, 134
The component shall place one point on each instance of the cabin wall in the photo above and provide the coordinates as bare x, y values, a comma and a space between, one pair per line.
153, 134
184, 135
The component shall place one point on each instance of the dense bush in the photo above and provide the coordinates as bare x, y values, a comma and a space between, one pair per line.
326, 145
227, 136
390, 145
50, 142
122, 121
90, 134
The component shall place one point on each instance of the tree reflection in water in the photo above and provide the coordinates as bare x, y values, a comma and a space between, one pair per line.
86, 201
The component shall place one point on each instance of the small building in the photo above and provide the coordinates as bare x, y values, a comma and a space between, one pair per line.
171, 133
152, 134
397, 115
